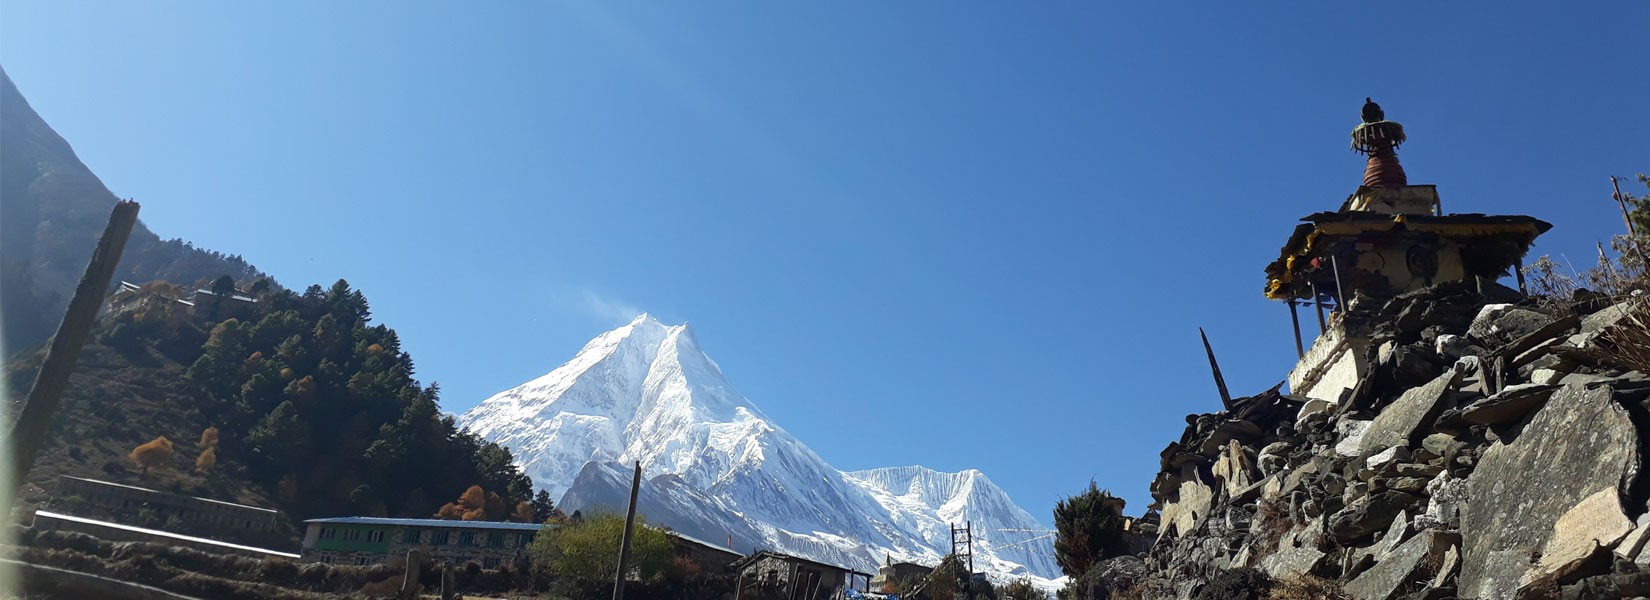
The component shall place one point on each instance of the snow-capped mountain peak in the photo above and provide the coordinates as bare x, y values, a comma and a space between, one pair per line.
717, 468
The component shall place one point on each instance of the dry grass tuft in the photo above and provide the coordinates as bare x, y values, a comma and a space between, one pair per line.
1627, 343
1305, 587
1271, 523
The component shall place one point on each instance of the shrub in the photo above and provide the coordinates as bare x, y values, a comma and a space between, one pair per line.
583, 556
1236, 584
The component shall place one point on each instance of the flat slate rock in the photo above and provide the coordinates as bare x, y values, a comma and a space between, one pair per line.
1369, 514
1351, 432
1400, 566
1291, 562
1400, 421
1593, 525
1499, 325
1581, 442
1510, 405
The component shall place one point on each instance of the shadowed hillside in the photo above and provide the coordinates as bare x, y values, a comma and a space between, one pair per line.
52, 209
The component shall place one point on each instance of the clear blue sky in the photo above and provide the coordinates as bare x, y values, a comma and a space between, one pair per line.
960, 234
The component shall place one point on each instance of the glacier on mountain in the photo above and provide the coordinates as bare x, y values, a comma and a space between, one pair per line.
717, 469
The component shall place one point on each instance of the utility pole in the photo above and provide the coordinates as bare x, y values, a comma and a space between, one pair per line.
46, 396
629, 528
962, 545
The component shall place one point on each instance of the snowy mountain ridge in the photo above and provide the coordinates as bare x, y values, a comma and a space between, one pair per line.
719, 469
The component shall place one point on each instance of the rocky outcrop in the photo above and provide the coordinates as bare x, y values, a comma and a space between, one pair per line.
1492, 450
1580, 445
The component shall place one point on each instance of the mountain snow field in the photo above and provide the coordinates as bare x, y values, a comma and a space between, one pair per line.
718, 469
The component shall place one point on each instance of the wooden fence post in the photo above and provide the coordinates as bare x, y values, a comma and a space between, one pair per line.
409, 580
46, 396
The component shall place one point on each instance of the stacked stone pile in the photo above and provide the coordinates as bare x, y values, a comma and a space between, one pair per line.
1491, 450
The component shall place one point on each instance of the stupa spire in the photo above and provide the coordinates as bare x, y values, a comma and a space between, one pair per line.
1379, 139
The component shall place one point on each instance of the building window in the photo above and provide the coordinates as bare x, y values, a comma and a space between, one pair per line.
495, 540
328, 533
490, 562
467, 538
352, 535
438, 538
409, 536
375, 536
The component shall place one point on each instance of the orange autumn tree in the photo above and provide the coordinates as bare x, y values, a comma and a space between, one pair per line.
152, 454
475, 504
209, 437
207, 460
524, 512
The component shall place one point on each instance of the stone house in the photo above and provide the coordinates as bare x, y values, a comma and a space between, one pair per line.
370, 540
765, 573
892, 573
232, 305
710, 557
203, 516
117, 532
156, 298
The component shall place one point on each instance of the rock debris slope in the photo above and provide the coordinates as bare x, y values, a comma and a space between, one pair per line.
718, 469
1490, 451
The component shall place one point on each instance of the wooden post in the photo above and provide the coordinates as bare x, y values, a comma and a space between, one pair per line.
1317, 302
1518, 267
1500, 382
1632, 232
409, 579
629, 529
1220, 383
739, 587
1340, 292
46, 396
1295, 320
449, 587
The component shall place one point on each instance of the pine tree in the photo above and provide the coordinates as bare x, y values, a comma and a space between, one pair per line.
1088, 528
542, 507
282, 438
223, 286
287, 490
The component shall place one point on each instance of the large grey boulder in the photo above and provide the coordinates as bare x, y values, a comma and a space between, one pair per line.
1580, 443
1499, 324
1369, 514
1192, 503
1292, 562
1416, 409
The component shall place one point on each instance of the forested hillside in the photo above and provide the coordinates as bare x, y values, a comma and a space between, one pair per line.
315, 408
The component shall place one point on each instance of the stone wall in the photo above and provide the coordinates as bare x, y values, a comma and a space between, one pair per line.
1491, 450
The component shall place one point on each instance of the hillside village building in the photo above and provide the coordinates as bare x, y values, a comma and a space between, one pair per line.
107, 530
794, 577
892, 573
371, 540
206, 516
162, 298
